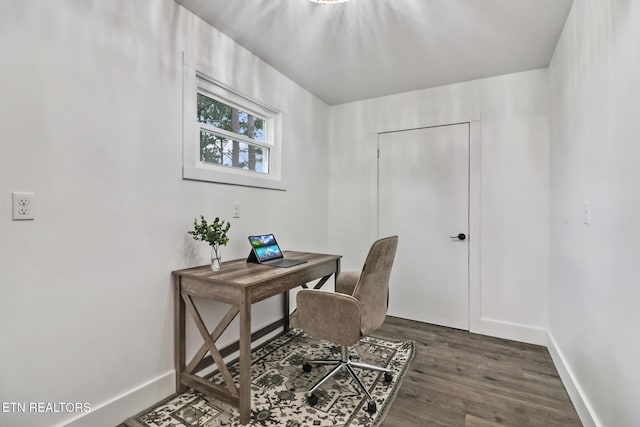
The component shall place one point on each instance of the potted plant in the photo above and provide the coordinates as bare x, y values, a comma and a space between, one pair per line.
215, 234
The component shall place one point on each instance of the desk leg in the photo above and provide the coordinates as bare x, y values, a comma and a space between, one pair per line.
244, 363
285, 311
179, 334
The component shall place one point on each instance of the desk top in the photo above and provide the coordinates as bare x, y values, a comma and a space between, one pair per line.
242, 274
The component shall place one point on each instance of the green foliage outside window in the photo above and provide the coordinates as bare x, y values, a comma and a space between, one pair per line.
222, 150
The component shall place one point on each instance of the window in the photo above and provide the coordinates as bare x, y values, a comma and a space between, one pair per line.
231, 137
227, 137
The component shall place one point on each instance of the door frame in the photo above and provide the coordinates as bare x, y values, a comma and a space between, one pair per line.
474, 240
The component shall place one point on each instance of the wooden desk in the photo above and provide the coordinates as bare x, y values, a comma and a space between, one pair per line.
239, 284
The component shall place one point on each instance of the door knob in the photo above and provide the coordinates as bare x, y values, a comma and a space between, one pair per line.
460, 236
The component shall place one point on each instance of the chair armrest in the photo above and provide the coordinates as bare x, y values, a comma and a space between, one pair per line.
328, 315
347, 281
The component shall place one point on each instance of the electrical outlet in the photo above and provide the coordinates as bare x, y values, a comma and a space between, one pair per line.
236, 209
22, 206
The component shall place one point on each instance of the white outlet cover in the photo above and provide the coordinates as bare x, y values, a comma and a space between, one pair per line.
22, 205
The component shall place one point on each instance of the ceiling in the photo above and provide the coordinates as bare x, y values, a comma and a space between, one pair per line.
368, 48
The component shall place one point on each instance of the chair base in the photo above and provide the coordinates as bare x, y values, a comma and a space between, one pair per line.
344, 362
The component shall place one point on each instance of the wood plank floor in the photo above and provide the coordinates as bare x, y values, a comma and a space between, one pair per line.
459, 379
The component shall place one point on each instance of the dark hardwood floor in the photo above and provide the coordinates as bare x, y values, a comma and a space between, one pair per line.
459, 379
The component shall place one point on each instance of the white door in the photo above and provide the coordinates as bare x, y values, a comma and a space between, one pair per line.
423, 197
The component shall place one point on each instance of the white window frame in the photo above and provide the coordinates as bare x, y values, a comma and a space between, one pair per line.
196, 81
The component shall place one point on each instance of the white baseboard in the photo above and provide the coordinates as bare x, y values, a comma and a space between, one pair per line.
510, 331
576, 394
116, 410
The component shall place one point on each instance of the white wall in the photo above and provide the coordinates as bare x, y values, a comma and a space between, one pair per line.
90, 120
510, 295
594, 269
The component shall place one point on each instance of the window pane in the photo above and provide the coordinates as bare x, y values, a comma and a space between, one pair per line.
221, 150
223, 116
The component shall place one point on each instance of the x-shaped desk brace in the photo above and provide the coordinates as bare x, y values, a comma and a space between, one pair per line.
239, 284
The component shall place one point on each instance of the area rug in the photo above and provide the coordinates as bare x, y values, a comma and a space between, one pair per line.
279, 385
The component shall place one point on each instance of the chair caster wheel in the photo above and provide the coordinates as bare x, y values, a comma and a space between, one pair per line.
312, 400
388, 377
371, 407
306, 367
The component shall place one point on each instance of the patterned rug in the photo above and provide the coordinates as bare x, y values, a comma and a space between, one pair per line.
279, 385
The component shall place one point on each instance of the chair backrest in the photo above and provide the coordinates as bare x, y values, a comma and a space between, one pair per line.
372, 289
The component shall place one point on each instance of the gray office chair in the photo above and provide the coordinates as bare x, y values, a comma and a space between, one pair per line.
358, 307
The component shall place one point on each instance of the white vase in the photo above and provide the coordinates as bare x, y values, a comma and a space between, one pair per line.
215, 259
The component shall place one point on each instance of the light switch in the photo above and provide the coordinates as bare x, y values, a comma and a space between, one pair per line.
587, 212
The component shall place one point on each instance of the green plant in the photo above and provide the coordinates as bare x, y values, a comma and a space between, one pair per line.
215, 233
